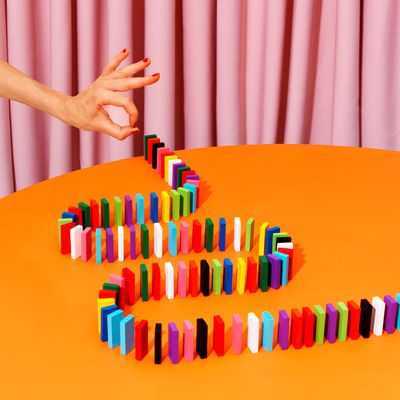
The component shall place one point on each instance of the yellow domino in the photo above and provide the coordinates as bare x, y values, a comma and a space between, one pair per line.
100, 304
261, 242
167, 159
166, 206
241, 275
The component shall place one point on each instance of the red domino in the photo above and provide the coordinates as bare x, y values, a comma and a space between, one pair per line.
308, 326
296, 329
141, 339
129, 277
121, 298
252, 284
163, 155
193, 279
108, 294
289, 252
94, 214
86, 244
354, 319
219, 336
78, 212
185, 174
65, 237
150, 149
156, 281
196, 236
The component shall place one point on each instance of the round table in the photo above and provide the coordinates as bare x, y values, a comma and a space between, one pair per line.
341, 207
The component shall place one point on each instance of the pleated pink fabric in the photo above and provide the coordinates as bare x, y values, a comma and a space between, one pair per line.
232, 72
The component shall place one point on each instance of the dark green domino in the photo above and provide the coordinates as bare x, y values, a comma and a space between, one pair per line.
146, 140
181, 170
85, 214
144, 239
263, 273
112, 286
105, 213
209, 236
144, 282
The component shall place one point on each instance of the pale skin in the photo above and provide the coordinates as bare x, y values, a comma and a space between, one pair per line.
86, 109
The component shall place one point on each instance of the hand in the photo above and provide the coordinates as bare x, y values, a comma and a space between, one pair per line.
86, 110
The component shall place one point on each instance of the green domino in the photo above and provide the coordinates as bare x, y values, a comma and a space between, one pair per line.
144, 240
62, 221
216, 277
181, 170
111, 286
85, 214
263, 273
146, 140
343, 320
105, 213
320, 324
249, 234
185, 201
277, 235
209, 235
117, 211
176, 204
144, 282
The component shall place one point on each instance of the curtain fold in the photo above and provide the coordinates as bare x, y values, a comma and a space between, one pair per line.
232, 72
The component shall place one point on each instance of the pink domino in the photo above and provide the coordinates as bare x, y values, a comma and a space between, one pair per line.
237, 325
118, 280
160, 151
184, 237
86, 244
193, 182
188, 340
182, 279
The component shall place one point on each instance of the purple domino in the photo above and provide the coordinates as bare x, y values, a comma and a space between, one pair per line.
132, 241
175, 174
331, 323
110, 245
283, 330
173, 343
128, 210
276, 271
391, 313
193, 177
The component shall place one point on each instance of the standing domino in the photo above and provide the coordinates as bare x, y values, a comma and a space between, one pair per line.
169, 280
237, 234
76, 241
379, 315
158, 240
121, 243
253, 336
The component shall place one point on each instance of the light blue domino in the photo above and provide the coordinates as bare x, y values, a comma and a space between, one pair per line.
398, 315
139, 209
113, 321
285, 267
98, 246
267, 331
172, 239
127, 333
193, 195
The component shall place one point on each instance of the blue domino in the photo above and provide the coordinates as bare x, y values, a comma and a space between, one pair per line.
67, 214
398, 315
127, 334
228, 276
113, 321
268, 238
105, 311
139, 209
267, 331
153, 207
222, 234
285, 267
172, 239
98, 246
193, 195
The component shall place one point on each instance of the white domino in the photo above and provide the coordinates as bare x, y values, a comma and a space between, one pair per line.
379, 315
169, 280
237, 231
158, 240
76, 241
121, 243
288, 245
171, 169
253, 336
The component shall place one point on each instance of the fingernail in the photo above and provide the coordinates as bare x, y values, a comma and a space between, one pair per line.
145, 59
157, 74
124, 50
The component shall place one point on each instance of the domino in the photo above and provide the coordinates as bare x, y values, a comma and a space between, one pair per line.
283, 330
222, 234
281, 246
219, 336
320, 317
331, 323
118, 280
101, 303
150, 144
94, 214
296, 329
184, 240
127, 335
188, 340
68, 215
182, 279
117, 211
276, 271
237, 327
176, 204
156, 147
105, 311
237, 234
275, 236
85, 214
112, 286
113, 326
180, 172
343, 321
165, 164
284, 267
193, 195
196, 236
391, 313
160, 153
268, 238
193, 279
99, 258
109, 245
253, 336
169, 281
144, 241
129, 279
78, 215
252, 284
201, 338
261, 242
241, 275
166, 206
216, 277
121, 250
60, 222
141, 339
308, 327
174, 175
173, 343
228, 276
139, 209
379, 315
267, 331
354, 320
263, 273
156, 281
185, 175
153, 207
170, 170
144, 282
158, 240
75, 238
172, 239
108, 294
249, 234
105, 213
128, 210
145, 144
209, 235
132, 242
289, 253
204, 277
185, 201
158, 344
398, 315
365, 318
86, 244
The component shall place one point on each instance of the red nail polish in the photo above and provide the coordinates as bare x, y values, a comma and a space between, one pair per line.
145, 59
157, 74
124, 50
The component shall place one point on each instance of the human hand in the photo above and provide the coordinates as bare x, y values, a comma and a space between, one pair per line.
86, 110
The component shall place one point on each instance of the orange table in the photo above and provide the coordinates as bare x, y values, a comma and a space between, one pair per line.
340, 205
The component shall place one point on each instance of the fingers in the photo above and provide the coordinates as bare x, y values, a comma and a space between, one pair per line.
115, 62
119, 100
116, 131
123, 85
132, 69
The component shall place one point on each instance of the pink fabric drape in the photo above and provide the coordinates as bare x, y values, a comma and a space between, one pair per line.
232, 72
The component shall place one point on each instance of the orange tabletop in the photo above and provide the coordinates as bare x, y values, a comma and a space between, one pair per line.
341, 207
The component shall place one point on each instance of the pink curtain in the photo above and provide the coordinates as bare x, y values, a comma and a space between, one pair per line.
232, 71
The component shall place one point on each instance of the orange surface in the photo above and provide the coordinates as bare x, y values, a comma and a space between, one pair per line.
341, 206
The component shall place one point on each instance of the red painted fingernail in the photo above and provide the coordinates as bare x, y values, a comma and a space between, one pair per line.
157, 74
145, 59
124, 50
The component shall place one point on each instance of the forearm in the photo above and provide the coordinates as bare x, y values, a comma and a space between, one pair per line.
14, 85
